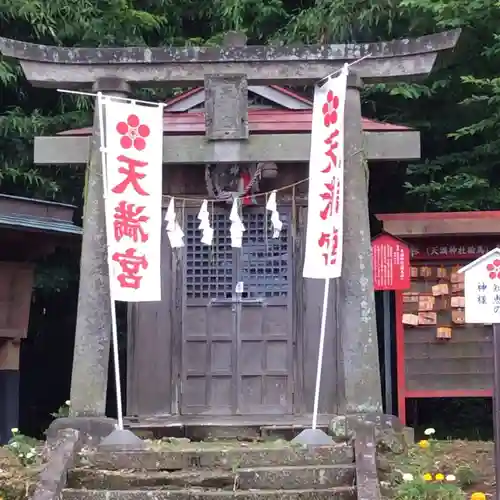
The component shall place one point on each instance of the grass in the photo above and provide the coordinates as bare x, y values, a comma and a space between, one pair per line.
17, 481
470, 462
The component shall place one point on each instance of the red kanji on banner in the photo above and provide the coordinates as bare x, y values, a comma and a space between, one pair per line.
332, 197
133, 176
332, 146
330, 107
330, 242
336, 202
133, 133
327, 196
128, 222
131, 265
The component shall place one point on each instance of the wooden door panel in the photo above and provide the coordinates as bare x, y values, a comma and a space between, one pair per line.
265, 360
208, 360
208, 342
237, 348
265, 323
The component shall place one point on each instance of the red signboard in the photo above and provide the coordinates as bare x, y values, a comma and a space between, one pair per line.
391, 263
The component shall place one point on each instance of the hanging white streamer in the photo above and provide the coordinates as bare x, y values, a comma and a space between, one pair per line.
174, 231
237, 226
275, 216
204, 226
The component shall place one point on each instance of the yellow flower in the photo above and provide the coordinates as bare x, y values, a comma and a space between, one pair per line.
424, 443
478, 496
439, 476
428, 477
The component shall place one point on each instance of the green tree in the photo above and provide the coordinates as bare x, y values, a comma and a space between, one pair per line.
456, 109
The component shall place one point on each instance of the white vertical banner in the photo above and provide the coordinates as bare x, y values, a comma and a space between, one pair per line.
325, 214
133, 142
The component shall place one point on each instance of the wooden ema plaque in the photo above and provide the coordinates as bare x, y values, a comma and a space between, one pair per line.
391, 263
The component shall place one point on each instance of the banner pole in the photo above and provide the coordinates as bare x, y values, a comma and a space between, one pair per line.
114, 323
321, 350
116, 363
324, 234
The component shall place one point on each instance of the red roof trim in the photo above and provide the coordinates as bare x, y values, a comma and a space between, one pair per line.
259, 120
183, 95
265, 121
494, 214
291, 94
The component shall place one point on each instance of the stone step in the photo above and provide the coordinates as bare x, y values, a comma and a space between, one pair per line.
219, 457
339, 493
295, 477
263, 478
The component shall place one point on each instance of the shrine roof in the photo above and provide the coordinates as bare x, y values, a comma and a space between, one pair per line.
424, 224
259, 120
17, 212
189, 121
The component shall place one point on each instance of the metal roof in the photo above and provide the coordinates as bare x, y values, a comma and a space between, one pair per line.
260, 120
18, 215
44, 224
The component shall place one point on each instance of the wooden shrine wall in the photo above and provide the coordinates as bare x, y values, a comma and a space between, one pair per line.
16, 281
438, 355
189, 180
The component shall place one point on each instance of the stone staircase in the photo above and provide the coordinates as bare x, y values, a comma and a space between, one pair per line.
215, 470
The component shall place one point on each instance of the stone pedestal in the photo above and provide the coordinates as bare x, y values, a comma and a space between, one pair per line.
92, 430
389, 431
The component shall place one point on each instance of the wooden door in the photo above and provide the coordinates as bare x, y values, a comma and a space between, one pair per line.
237, 333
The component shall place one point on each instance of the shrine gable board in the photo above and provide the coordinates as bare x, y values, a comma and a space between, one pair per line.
482, 289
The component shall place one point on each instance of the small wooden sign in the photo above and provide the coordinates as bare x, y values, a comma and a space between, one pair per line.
482, 289
391, 263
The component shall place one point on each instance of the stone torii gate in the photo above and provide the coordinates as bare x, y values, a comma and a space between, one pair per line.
225, 72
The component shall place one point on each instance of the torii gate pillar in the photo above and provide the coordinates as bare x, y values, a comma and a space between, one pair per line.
356, 301
80, 68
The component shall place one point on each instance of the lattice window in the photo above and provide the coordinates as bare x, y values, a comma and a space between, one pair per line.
209, 270
263, 261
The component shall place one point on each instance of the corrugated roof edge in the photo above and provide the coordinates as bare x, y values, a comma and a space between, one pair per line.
41, 224
36, 200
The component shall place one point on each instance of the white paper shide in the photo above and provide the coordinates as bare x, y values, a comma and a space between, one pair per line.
207, 232
276, 222
237, 227
174, 230
482, 289
133, 143
324, 235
